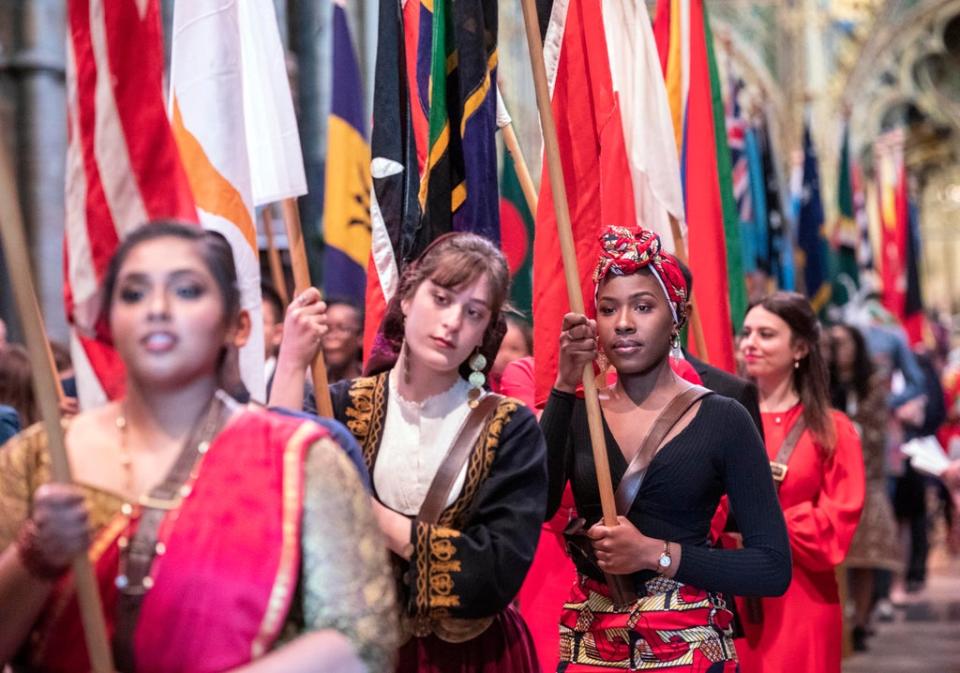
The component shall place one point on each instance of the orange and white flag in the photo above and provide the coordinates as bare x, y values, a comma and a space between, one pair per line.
232, 117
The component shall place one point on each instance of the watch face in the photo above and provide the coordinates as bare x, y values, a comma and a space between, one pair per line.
665, 560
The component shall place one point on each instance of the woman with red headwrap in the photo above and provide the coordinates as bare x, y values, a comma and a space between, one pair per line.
649, 591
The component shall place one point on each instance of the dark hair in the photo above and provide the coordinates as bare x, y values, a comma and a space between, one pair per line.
272, 297
687, 275
346, 301
863, 369
525, 329
16, 383
61, 356
212, 246
218, 259
358, 309
810, 378
451, 261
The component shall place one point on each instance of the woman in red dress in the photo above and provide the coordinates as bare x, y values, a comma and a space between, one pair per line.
821, 488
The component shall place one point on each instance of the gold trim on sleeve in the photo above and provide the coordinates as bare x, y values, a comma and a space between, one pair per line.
285, 583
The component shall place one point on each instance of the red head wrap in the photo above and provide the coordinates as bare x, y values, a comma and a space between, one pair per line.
623, 252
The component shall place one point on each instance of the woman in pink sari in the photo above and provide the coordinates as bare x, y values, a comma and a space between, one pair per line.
223, 537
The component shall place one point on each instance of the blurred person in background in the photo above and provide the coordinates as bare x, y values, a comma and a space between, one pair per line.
517, 343
910, 489
343, 341
860, 391
16, 384
69, 405
272, 310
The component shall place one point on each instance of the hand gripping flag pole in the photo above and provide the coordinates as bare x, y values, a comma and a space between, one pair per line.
565, 235
45, 385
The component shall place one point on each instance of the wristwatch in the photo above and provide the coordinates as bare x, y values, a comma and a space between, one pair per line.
665, 559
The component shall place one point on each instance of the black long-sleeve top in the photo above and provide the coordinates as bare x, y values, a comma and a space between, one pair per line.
719, 452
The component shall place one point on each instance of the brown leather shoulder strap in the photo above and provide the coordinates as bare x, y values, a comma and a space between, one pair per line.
778, 466
629, 486
438, 493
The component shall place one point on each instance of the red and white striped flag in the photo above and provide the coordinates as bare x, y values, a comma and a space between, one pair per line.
123, 166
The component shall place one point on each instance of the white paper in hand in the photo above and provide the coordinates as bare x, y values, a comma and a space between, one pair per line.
926, 455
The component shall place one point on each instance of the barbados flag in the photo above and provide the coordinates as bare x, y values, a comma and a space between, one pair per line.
346, 205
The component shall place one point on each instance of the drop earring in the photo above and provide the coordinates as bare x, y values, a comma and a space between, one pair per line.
675, 345
796, 364
477, 378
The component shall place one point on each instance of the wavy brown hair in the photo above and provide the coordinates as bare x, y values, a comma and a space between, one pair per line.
451, 261
811, 379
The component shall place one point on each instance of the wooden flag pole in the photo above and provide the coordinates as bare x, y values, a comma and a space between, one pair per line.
696, 327
301, 281
48, 351
44, 383
523, 173
273, 256
570, 270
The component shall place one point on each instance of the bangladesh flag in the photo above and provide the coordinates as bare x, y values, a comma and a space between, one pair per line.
516, 237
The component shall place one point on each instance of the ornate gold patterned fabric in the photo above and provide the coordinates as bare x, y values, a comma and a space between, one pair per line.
346, 579
24, 466
366, 413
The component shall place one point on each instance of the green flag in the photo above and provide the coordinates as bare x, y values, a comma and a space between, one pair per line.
845, 273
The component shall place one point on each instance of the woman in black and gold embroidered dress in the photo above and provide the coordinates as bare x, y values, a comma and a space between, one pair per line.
460, 574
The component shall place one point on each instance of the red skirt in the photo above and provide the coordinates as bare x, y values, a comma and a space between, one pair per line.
675, 627
505, 647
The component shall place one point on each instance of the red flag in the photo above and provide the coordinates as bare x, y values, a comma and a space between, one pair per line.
892, 179
596, 171
686, 55
123, 167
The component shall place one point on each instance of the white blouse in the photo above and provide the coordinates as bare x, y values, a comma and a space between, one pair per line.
416, 439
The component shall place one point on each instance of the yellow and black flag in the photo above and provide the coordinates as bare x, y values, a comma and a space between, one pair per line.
346, 206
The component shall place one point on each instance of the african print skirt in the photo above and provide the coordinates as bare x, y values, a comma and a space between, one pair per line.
674, 627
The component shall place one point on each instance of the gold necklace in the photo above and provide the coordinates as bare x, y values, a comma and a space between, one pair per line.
126, 509
132, 511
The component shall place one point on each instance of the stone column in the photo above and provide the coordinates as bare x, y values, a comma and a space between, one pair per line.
33, 63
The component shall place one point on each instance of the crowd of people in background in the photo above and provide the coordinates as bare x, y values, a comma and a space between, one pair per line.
828, 405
